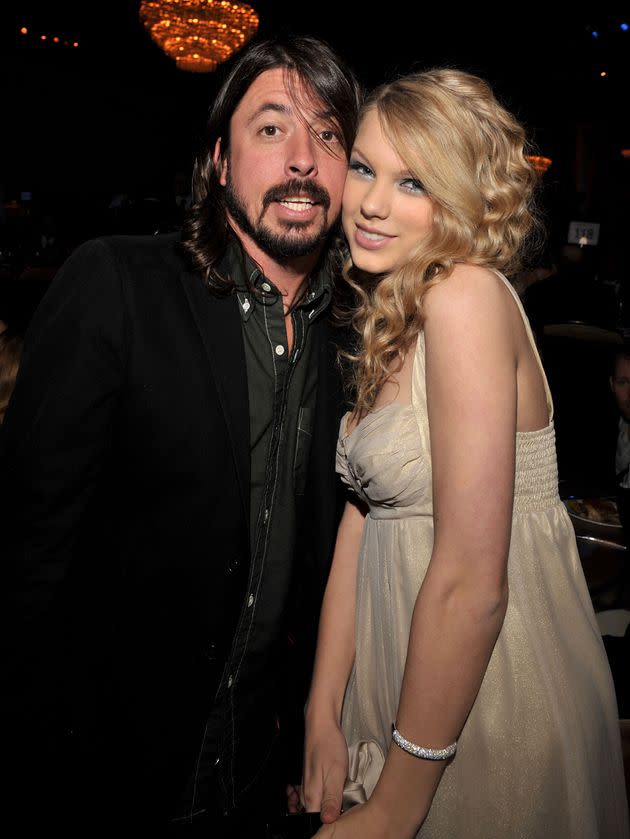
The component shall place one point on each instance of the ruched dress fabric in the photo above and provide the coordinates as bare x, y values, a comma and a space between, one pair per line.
539, 756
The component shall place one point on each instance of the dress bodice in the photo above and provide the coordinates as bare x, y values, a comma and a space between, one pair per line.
382, 459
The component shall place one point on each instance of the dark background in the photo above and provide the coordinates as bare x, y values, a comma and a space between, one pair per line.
115, 117
115, 112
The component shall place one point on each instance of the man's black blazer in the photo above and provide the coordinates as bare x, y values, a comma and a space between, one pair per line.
124, 464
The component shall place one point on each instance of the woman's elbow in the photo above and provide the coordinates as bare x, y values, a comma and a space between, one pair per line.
497, 600
489, 600
483, 595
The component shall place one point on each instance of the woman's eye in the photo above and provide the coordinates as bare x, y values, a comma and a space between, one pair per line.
269, 130
412, 185
360, 168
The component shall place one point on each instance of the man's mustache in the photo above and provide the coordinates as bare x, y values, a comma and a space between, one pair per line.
297, 187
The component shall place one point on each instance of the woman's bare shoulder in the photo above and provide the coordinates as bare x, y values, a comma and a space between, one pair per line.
468, 291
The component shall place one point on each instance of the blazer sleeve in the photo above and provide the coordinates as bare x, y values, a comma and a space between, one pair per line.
52, 445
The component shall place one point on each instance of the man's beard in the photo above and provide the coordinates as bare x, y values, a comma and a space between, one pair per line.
295, 242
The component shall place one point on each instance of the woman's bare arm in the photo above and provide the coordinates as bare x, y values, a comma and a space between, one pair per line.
326, 757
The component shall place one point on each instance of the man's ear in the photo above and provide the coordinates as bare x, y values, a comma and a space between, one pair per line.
220, 163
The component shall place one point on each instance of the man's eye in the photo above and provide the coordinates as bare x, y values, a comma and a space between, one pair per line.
328, 136
269, 130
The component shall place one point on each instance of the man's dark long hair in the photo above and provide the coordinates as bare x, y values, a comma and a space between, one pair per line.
206, 231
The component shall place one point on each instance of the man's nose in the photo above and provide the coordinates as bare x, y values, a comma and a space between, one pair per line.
302, 154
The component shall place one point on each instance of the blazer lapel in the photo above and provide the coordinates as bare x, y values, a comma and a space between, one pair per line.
219, 324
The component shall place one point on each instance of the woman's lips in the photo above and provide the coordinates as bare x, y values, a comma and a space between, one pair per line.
371, 239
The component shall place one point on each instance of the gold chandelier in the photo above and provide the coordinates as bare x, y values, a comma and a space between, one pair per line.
539, 163
198, 34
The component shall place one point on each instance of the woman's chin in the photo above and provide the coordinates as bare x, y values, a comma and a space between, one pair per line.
369, 263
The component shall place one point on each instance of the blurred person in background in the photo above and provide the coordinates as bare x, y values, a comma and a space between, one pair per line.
620, 386
10, 354
18, 301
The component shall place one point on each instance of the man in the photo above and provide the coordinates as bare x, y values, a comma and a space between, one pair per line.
168, 457
617, 646
620, 385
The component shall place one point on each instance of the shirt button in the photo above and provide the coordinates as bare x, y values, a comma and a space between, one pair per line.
250, 601
266, 516
266, 287
230, 681
279, 349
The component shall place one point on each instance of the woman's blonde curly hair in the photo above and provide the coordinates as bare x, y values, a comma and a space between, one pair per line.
469, 153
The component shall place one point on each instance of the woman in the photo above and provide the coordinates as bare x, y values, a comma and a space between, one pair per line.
473, 632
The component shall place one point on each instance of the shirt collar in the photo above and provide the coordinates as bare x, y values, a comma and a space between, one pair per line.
319, 294
254, 288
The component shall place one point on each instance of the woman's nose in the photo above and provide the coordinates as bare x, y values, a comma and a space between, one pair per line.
376, 202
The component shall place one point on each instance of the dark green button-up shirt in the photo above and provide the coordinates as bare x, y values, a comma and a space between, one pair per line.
282, 387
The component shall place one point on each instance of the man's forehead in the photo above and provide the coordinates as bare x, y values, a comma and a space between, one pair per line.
282, 90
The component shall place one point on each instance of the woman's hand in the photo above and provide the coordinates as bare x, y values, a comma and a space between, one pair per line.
361, 822
325, 769
349, 826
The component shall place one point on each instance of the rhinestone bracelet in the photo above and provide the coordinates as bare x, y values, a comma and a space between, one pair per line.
421, 751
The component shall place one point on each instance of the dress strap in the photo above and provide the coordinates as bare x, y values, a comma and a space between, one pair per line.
532, 340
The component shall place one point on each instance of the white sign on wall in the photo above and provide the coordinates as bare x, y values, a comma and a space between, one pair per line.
583, 233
